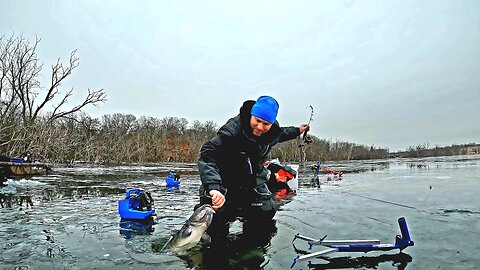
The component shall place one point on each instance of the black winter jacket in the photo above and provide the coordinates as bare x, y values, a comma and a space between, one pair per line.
234, 158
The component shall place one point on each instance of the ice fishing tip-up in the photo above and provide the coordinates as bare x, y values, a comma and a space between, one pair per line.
401, 242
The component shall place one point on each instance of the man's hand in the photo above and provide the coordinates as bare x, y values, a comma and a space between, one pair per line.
217, 199
304, 128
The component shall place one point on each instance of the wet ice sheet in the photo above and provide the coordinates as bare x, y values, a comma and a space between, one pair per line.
69, 219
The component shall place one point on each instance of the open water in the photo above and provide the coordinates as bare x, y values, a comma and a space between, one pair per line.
69, 219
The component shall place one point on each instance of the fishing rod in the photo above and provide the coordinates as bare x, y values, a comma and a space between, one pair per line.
308, 139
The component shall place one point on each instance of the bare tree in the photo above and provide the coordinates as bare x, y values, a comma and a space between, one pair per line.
23, 97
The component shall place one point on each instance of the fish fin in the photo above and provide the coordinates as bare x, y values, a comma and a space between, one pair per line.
206, 238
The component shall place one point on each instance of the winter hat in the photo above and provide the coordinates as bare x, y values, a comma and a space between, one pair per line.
266, 108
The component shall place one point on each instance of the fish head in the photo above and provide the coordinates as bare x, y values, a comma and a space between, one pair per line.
203, 215
194, 228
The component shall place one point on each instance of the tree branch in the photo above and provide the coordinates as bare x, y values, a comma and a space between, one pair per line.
59, 73
93, 98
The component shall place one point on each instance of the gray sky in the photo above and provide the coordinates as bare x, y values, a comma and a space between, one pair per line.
388, 73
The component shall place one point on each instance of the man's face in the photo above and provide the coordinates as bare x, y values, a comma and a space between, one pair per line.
259, 126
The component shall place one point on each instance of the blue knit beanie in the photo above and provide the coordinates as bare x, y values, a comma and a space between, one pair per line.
266, 108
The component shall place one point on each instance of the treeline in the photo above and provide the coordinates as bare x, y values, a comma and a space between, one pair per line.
122, 138
424, 150
117, 138
322, 149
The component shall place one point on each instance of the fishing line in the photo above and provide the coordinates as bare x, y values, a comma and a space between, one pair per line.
378, 200
166, 244
432, 216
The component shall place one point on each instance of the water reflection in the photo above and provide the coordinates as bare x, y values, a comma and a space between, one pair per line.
78, 192
25, 192
398, 261
418, 166
245, 250
172, 189
353, 166
129, 228
283, 196
13, 200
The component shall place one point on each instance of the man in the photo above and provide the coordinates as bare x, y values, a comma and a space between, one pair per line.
231, 166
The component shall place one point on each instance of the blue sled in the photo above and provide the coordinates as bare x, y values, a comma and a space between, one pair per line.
401, 242
134, 205
171, 180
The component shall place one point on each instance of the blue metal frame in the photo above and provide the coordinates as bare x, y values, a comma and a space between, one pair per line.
401, 242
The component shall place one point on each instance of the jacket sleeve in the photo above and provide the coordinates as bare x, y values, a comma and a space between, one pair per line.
289, 133
207, 163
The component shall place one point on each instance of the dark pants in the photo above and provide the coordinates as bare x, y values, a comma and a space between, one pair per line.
255, 206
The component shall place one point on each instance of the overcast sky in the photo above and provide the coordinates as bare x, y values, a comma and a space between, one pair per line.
387, 73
